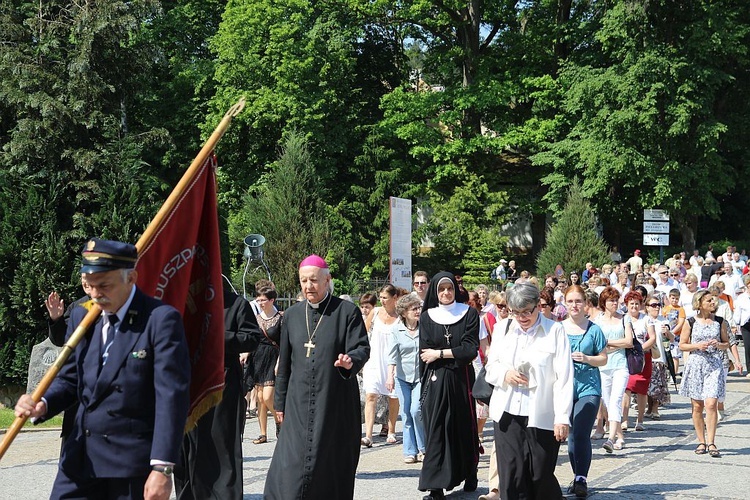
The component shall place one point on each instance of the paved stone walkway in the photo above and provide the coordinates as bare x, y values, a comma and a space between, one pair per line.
657, 463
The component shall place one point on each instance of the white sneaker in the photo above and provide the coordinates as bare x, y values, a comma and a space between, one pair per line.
410, 459
719, 416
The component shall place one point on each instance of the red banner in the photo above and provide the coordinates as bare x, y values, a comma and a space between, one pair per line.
182, 267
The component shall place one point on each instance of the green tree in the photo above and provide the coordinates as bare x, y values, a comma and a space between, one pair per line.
73, 155
649, 116
286, 208
572, 240
315, 68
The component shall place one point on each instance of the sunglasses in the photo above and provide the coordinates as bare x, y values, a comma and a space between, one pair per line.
420, 283
653, 304
502, 306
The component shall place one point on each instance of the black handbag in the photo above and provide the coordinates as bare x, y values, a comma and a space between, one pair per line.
635, 357
482, 390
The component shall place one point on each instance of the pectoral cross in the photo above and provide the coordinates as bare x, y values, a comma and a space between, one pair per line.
309, 346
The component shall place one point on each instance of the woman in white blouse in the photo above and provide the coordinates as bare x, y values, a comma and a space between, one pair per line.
532, 372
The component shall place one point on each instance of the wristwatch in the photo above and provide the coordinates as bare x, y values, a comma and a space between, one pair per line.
164, 469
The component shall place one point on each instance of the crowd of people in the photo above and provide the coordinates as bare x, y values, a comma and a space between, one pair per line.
687, 315
561, 354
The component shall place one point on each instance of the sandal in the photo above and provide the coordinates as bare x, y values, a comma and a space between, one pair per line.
391, 439
384, 431
700, 449
366, 442
261, 439
714, 452
597, 435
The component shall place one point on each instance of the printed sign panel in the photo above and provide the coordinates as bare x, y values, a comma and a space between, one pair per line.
655, 214
656, 240
655, 227
401, 242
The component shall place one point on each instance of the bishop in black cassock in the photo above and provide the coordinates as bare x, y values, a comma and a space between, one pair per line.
323, 346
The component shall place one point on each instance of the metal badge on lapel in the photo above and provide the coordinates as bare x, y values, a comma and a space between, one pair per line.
139, 354
132, 315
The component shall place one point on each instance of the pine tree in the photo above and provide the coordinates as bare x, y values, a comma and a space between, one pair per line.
287, 210
573, 240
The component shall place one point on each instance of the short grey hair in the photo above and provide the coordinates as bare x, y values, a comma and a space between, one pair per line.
407, 302
521, 296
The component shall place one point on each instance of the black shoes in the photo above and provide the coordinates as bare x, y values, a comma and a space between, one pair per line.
579, 488
471, 484
434, 495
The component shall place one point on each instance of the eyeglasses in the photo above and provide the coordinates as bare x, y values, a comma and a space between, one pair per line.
522, 314
416, 308
420, 283
653, 304
543, 304
502, 306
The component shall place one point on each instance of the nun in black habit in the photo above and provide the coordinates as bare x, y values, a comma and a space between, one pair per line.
449, 339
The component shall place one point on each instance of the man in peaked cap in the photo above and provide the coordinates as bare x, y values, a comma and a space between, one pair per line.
131, 376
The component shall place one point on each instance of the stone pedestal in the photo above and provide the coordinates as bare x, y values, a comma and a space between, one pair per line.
43, 355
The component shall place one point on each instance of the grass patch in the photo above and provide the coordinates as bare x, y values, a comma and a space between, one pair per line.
7, 417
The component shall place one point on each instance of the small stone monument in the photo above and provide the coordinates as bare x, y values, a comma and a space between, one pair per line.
43, 355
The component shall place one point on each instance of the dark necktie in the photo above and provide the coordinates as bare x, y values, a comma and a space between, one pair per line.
113, 319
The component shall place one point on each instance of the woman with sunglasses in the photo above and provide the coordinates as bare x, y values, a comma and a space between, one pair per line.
703, 381
636, 326
658, 328
501, 305
547, 302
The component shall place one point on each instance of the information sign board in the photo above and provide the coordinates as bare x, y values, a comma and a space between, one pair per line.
656, 240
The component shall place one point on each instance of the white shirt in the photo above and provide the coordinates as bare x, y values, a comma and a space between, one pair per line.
548, 400
742, 310
686, 301
732, 284
725, 312
635, 263
500, 272
666, 287
738, 266
107, 332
